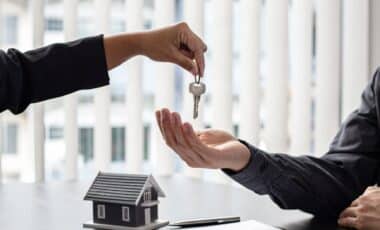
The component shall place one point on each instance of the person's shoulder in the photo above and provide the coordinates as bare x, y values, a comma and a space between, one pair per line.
376, 74
375, 81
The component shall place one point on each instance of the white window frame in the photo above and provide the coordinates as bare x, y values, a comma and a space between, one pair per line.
124, 211
101, 211
147, 196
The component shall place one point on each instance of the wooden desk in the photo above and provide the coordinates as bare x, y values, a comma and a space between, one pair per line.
55, 206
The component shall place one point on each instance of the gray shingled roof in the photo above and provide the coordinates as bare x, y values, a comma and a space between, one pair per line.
121, 188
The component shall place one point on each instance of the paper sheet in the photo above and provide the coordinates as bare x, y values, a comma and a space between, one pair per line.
245, 225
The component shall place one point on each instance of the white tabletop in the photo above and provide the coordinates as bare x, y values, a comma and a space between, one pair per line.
55, 206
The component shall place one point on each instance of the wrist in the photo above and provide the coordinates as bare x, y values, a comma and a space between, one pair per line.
142, 43
241, 156
134, 44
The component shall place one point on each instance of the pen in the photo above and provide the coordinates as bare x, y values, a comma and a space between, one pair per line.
206, 221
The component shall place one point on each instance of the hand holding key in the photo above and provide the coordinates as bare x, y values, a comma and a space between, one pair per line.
197, 88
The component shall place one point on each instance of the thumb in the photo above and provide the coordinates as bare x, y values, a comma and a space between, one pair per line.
185, 62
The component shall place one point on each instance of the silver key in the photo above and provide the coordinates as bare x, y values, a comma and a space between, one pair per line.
196, 106
197, 88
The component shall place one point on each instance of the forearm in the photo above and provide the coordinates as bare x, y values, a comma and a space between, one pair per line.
120, 48
50, 72
322, 186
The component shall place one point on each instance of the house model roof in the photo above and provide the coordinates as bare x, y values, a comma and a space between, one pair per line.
121, 188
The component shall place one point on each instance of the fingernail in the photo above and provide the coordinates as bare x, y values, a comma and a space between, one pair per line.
195, 68
187, 127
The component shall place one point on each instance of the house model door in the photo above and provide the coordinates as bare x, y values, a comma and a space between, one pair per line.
147, 216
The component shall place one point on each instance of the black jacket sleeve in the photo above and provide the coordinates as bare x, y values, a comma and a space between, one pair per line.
322, 186
50, 72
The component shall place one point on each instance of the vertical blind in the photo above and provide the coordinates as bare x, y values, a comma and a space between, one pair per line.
303, 65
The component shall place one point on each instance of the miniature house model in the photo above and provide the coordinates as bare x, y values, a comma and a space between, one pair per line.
124, 201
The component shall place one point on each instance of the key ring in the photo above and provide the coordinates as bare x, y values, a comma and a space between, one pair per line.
197, 79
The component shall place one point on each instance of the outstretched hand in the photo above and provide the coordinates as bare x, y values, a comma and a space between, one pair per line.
206, 149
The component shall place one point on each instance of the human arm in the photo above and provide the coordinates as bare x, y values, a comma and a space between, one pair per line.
60, 69
50, 72
321, 186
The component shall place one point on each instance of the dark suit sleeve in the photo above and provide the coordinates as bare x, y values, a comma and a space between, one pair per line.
322, 186
50, 72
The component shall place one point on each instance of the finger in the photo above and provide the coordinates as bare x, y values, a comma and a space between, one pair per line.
193, 140
365, 198
175, 130
355, 203
200, 60
184, 145
182, 154
170, 140
185, 156
204, 152
178, 131
185, 62
372, 189
349, 212
167, 127
200, 57
187, 160
187, 53
158, 119
204, 48
194, 44
349, 222
189, 157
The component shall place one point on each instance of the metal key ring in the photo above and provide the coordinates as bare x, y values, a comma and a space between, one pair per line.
197, 79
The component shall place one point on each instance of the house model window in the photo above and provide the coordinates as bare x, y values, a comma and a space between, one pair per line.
147, 196
125, 214
101, 211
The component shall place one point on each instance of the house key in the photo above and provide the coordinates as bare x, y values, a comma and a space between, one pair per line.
197, 88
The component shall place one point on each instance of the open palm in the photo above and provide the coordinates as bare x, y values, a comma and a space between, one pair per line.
214, 137
206, 149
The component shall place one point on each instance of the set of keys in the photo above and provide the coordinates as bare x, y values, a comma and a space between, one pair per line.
197, 88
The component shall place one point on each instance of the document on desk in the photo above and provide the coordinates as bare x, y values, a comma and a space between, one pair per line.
245, 225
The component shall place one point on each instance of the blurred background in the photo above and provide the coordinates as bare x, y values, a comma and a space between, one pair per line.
281, 74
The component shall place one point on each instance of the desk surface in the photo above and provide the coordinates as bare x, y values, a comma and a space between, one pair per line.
61, 206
